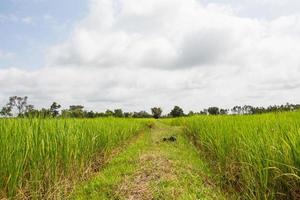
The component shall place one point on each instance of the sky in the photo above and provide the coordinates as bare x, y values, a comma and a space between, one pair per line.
134, 55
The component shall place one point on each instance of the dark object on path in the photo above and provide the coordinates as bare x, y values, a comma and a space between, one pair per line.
170, 139
150, 125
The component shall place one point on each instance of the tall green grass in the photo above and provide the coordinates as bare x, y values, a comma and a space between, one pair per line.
256, 156
39, 157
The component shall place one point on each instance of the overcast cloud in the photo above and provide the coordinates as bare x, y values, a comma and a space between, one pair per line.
136, 54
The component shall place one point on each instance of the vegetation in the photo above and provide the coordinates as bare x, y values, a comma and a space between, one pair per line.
152, 169
45, 152
256, 156
176, 112
23, 109
156, 112
41, 157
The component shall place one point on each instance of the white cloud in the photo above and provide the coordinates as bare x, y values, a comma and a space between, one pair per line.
266, 9
135, 54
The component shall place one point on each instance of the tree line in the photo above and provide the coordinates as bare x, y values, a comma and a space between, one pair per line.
23, 109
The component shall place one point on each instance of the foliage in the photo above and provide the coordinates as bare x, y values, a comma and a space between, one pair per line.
38, 154
213, 110
118, 113
156, 112
20, 103
54, 109
141, 114
177, 112
257, 156
109, 113
77, 111
6, 111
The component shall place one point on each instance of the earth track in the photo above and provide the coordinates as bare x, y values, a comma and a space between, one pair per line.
154, 168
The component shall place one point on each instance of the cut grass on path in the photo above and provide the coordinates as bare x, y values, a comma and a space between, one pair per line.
153, 169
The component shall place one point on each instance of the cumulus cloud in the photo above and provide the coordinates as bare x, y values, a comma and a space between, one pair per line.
135, 54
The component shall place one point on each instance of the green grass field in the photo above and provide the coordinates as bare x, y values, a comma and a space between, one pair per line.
214, 157
255, 156
41, 158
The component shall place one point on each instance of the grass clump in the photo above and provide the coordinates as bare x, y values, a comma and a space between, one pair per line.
255, 156
41, 158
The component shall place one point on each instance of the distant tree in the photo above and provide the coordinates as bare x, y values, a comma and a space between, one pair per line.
204, 112
109, 113
191, 113
128, 114
19, 103
65, 113
118, 113
6, 111
45, 113
177, 112
141, 114
237, 110
258, 110
54, 109
31, 112
213, 110
156, 112
247, 109
29, 108
224, 111
99, 114
90, 114
76, 111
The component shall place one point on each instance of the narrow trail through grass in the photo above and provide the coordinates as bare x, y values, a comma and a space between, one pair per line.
151, 168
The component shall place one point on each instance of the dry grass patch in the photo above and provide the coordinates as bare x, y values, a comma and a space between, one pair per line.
153, 168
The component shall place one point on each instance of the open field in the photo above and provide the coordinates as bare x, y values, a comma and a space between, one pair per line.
42, 158
255, 156
149, 100
207, 157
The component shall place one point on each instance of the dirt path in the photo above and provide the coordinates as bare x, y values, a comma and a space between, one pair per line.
151, 169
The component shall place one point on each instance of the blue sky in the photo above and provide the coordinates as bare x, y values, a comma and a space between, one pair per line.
29, 27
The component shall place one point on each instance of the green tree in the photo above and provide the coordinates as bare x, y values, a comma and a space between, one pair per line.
156, 112
118, 113
109, 113
19, 103
54, 109
90, 114
213, 111
141, 114
176, 112
191, 113
237, 110
128, 114
224, 111
76, 111
45, 113
6, 111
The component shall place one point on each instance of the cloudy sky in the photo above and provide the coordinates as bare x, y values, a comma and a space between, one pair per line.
135, 54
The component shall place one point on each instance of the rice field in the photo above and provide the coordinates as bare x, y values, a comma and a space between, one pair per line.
41, 158
250, 156
257, 156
